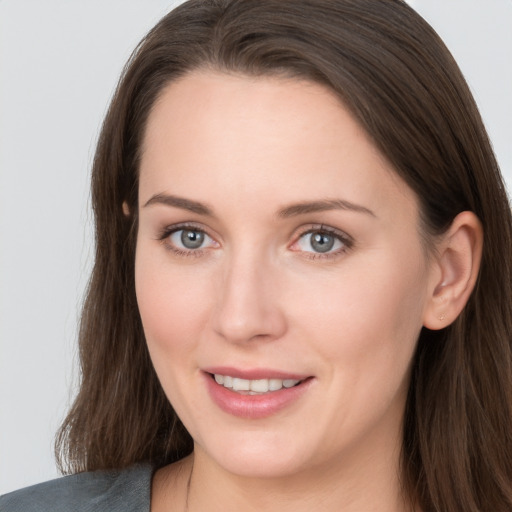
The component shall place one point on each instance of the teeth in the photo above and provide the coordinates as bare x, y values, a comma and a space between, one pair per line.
275, 384
241, 384
254, 386
261, 386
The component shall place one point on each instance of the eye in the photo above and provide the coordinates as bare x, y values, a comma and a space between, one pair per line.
318, 242
322, 242
187, 240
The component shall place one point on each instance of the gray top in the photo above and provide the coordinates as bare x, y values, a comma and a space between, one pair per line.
128, 490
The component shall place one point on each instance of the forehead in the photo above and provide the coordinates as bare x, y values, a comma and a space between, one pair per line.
273, 137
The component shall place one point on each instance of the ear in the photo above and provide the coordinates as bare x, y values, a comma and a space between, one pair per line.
126, 209
455, 271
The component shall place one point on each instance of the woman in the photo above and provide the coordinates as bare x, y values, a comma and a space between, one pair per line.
303, 245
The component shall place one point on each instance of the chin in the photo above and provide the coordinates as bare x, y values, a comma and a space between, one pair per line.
253, 455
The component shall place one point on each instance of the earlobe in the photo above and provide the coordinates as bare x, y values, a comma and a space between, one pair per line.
458, 262
126, 209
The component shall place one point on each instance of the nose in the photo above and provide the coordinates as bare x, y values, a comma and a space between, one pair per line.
248, 306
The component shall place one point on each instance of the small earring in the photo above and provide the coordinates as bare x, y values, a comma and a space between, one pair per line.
442, 316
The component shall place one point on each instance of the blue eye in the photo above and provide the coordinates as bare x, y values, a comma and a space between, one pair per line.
189, 239
321, 242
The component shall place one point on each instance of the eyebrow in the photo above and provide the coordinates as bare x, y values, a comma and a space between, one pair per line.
180, 202
322, 206
292, 210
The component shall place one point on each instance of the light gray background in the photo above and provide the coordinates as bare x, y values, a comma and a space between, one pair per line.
59, 62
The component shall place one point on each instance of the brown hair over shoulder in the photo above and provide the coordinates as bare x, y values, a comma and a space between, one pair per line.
395, 75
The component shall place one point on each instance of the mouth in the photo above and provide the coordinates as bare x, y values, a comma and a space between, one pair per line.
254, 386
255, 393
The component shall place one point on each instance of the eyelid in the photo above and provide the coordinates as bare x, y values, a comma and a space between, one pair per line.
167, 231
344, 238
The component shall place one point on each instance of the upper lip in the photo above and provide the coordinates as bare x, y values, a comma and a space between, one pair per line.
254, 373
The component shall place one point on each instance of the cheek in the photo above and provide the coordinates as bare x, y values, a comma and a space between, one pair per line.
366, 326
370, 315
172, 311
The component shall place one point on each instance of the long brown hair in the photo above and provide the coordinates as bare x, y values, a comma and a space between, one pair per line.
400, 82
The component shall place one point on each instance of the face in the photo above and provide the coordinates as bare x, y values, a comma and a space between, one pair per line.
280, 275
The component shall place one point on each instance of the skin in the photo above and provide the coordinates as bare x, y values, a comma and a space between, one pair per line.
257, 294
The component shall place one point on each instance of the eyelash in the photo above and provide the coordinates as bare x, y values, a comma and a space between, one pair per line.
167, 232
345, 240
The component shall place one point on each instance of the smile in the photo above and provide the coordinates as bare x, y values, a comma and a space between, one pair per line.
255, 386
255, 394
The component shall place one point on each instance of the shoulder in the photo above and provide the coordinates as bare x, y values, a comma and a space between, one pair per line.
127, 490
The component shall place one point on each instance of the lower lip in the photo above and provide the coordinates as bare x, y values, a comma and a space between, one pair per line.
254, 406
